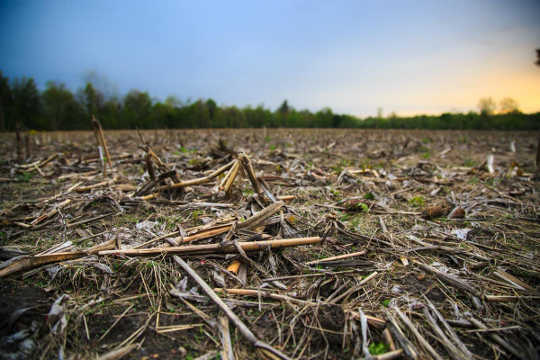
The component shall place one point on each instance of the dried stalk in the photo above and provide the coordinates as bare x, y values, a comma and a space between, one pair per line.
262, 215
388, 339
101, 140
389, 355
499, 340
118, 353
441, 336
28, 263
205, 234
372, 320
215, 248
458, 283
227, 181
248, 167
267, 294
338, 257
354, 289
409, 350
449, 330
416, 333
244, 330
225, 336
51, 213
195, 181
150, 167
94, 186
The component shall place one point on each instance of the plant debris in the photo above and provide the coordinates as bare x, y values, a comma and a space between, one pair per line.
305, 244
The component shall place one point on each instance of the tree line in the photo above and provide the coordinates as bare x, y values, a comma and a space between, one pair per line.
58, 108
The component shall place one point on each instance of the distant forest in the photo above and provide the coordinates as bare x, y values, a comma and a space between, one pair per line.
58, 108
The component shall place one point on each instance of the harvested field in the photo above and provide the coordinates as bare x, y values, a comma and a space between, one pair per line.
305, 244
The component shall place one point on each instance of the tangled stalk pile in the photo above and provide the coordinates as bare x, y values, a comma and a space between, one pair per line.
291, 244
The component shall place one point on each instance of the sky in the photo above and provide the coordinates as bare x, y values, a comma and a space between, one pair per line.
407, 57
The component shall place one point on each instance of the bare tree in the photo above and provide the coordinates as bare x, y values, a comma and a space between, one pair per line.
508, 105
486, 106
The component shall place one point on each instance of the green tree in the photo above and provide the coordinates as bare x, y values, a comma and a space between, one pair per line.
212, 108
282, 114
257, 117
26, 102
284, 108
234, 117
60, 109
6, 101
323, 118
91, 99
110, 114
137, 108
173, 102
198, 115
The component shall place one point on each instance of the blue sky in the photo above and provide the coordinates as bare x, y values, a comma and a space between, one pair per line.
353, 56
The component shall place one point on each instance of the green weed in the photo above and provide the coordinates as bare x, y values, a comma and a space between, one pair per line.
196, 214
247, 192
128, 218
417, 201
336, 193
469, 163
25, 176
362, 207
369, 196
377, 348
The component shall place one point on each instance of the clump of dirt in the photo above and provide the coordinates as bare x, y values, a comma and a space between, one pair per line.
20, 305
332, 322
